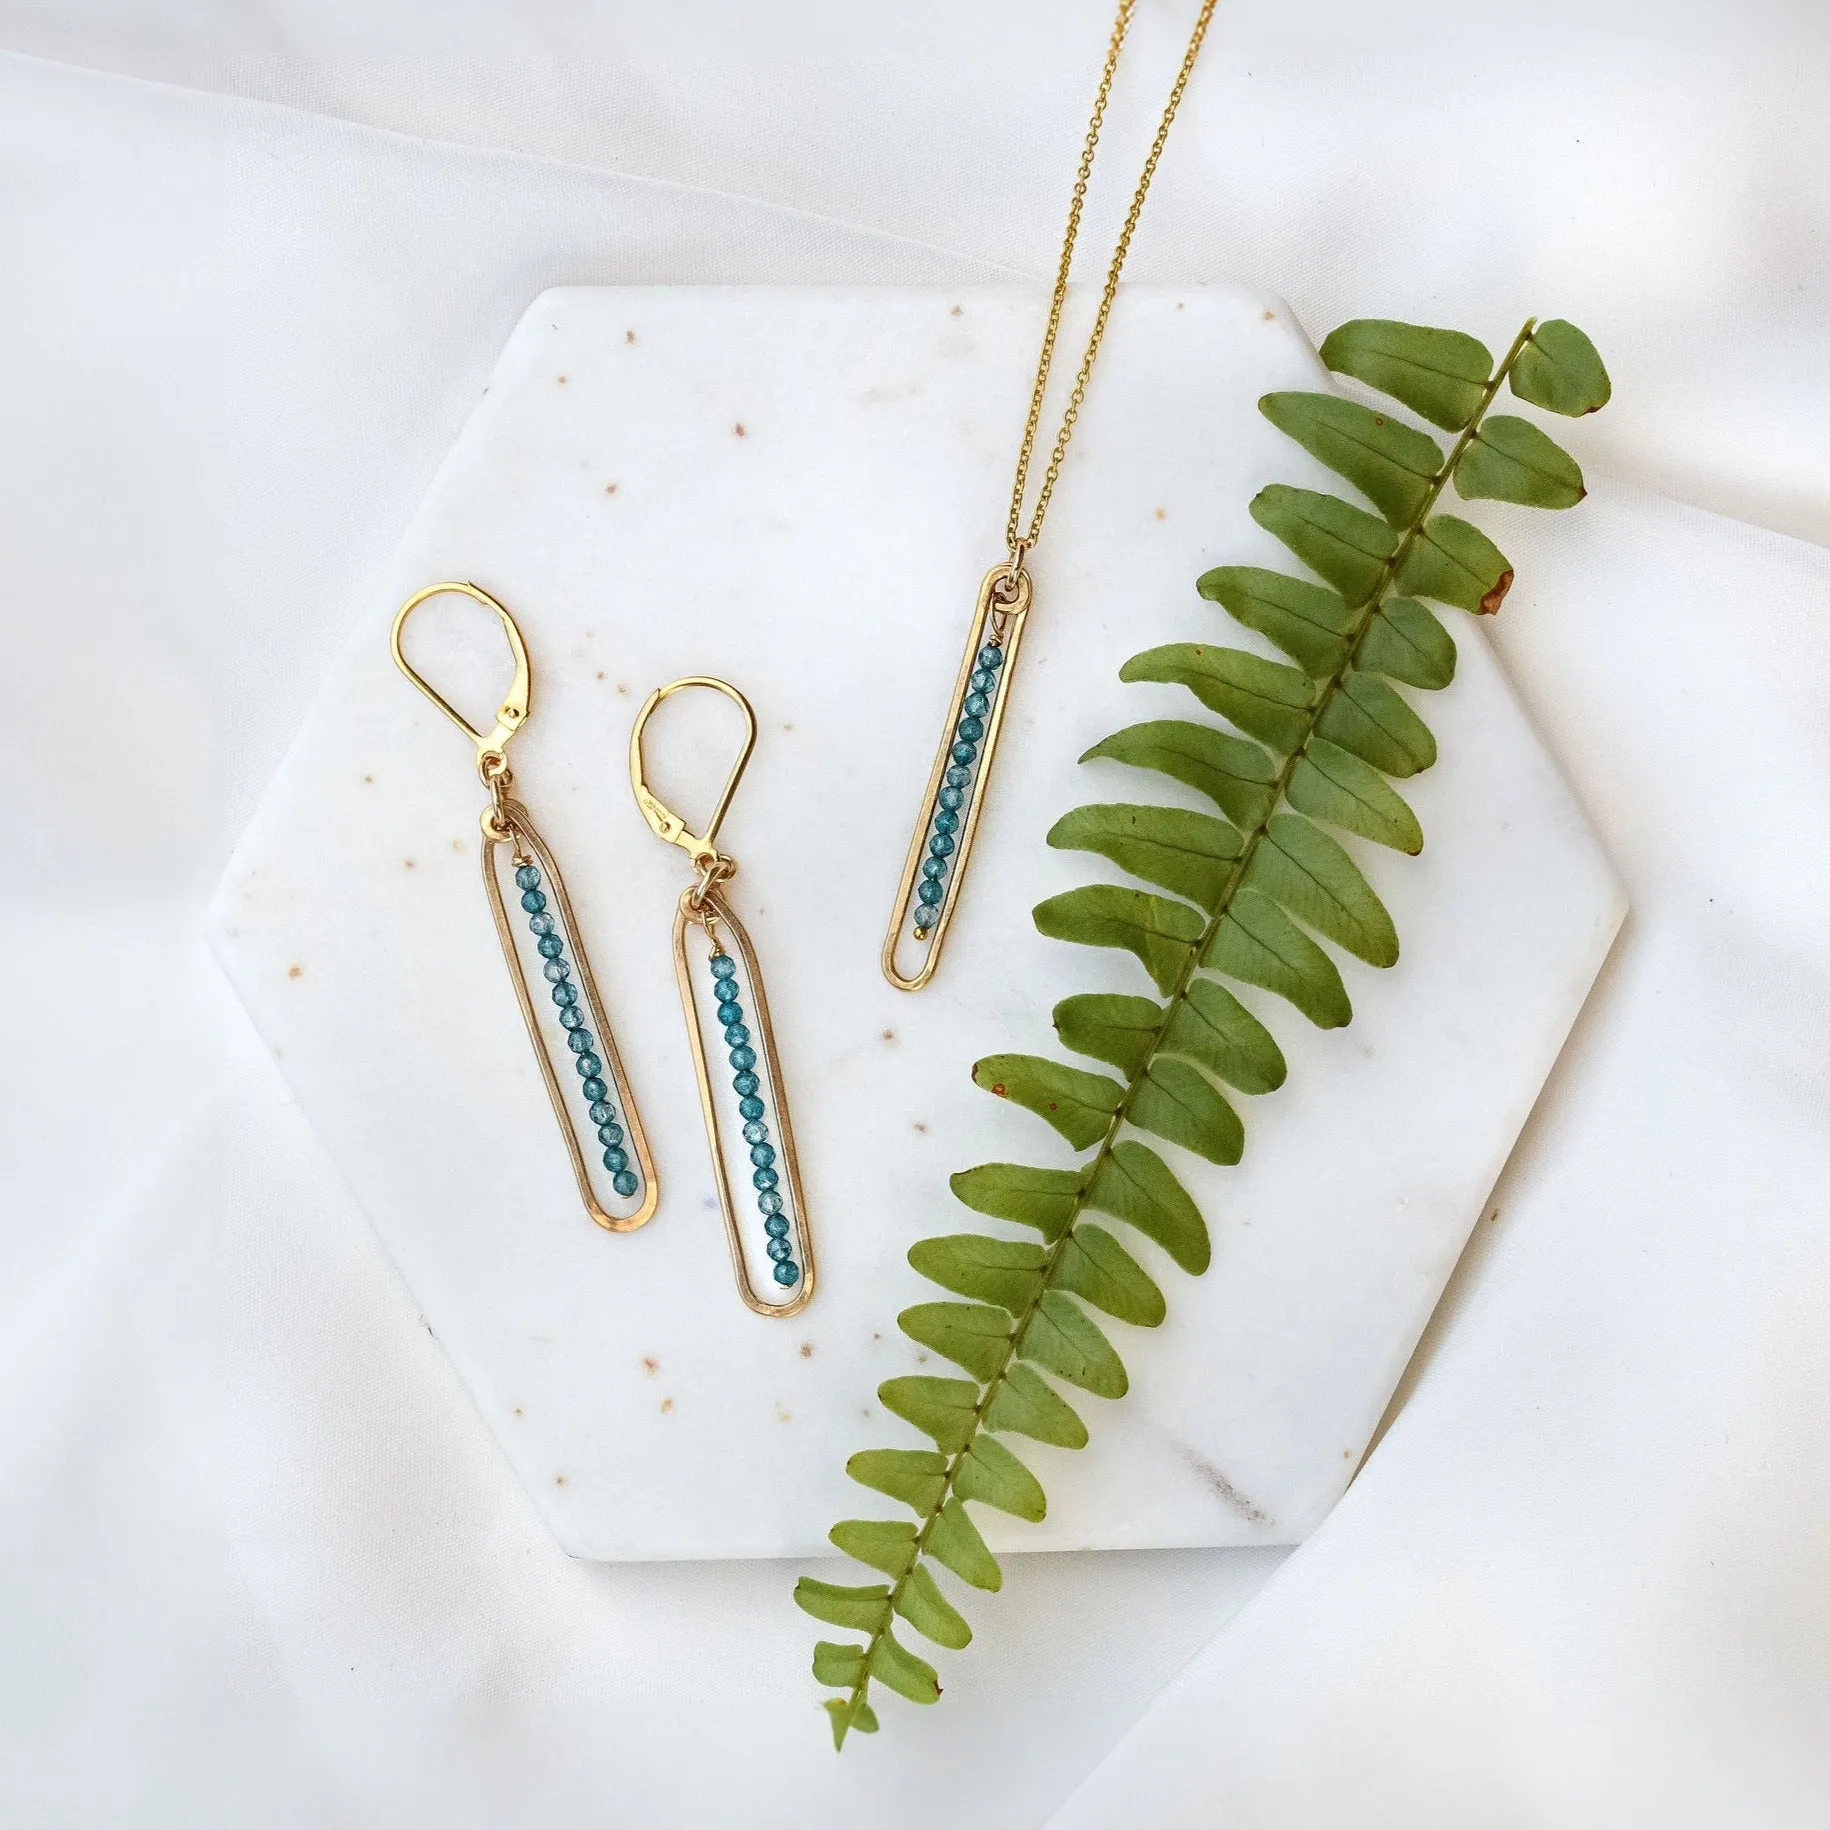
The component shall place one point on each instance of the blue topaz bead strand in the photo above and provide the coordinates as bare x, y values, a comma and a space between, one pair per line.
557, 972
956, 786
764, 1177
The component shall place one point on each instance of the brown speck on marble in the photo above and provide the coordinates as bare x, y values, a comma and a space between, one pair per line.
1269, 315
295, 970
667, 1404
559, 1480
921, 1359
889, 1035
621, 688
628, 336
601, 674
408, 864
650, 1365
787, 727
806, 1350
368, 781
739, 430
517, 1410
457, 844
959, 311
921, 1125
782, 1416
1161, 514
609, 489
562, 381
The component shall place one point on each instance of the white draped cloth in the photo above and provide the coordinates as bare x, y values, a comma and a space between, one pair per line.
260, 1565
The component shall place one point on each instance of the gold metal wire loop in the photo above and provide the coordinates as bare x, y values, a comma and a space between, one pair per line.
702, 848
492, 746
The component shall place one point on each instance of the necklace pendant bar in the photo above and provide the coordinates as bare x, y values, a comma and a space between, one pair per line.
934, 872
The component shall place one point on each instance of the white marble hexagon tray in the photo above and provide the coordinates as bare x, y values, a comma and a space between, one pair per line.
800, 490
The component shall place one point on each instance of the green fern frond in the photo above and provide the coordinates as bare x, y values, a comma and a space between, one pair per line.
1240, 894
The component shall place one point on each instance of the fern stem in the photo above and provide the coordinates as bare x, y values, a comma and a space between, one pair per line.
1367, 609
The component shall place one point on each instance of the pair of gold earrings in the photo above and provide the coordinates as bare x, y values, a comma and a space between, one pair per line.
721, 994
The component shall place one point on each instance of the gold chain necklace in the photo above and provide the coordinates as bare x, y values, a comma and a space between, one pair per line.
935, 869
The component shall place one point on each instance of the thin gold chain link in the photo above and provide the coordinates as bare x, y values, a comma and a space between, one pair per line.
1020, 542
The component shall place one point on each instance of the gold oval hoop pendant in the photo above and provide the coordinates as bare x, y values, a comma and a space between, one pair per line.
617, 1148
941, 847
737, 1162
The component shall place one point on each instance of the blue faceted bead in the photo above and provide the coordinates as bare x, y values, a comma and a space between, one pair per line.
626, 1182
533, 902
941, 845
579, 1041
976, 706
589, 1067
555, 970
765, 1178
616, 1161
751, 1107
595, 1091
565, 992
550, 946
762, 1155
963, 753
542, 925
601, 1113
771, 1204
957, 777
746, 1083
787, 1273
756, 1132
934, 868
982, 681
743, 1059
723, 966
736, 1036
527, 878
953, 799
610, 1136
970, 730
946, 820
572, 1018
780, 1250
991, 655
932, 891
731, 1012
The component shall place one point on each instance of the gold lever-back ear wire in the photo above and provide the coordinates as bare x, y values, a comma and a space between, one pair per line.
667, 824
767, 1155
493, 747
506, 825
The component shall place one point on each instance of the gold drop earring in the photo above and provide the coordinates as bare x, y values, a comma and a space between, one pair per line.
764, 1164
566, 1022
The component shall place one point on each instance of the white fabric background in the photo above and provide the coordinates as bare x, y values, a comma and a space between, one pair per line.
260, 1565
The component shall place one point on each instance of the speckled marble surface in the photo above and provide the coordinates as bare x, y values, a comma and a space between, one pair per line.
800, 490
